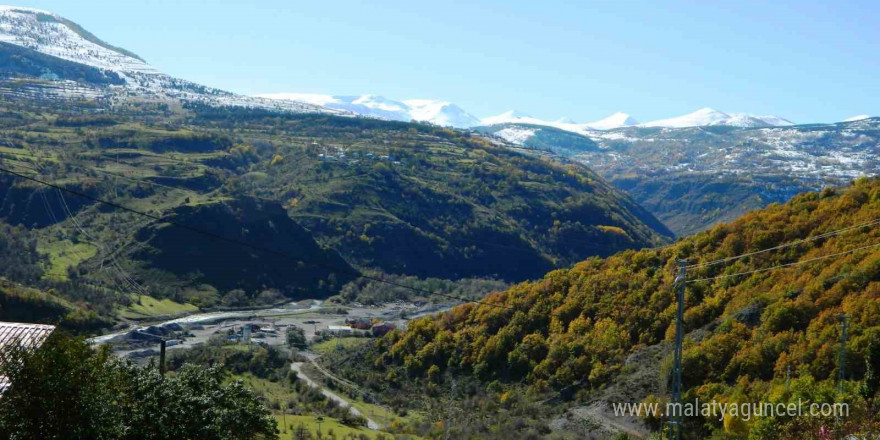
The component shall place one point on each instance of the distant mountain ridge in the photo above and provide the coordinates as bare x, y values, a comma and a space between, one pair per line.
693, 177
708, 116
43, 32
424, 110
33, 35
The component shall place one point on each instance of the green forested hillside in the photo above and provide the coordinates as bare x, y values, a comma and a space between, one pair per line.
397, 198
576, 327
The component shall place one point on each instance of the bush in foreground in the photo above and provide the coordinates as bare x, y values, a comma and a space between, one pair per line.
67, 390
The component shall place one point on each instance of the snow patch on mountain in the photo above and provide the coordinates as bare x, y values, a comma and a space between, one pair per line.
708, 116
426, 110
775, 121
440, 113
514, 117
53, 35
516, 135
701, 117
856, 118
50, 34
616, 120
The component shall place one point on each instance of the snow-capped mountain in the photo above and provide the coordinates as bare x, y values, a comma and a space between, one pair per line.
440, 113
57, 55
703, 117
713, 177
53, 35
856, 118
426, 110
61, 53
515, 117
709, 116
364, 105
616, 120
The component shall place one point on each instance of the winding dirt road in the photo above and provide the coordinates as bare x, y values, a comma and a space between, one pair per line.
297, 366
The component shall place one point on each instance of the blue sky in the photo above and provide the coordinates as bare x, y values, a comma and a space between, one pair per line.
806, 61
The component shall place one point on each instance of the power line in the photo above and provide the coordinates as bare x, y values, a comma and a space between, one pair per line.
244, 243
783, 246
786, 265
131, 179
72, 217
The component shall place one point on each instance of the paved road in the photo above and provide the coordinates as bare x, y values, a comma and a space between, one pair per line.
297, 366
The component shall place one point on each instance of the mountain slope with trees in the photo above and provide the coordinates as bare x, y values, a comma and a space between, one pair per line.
348, 193
746, 323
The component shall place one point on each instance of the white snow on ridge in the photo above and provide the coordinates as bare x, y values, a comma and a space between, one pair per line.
310, 98
426, 110
440, 113
775, 121
4, 8
701, 117
23, 27
366, 105
53, 35
516, 135
516, 117
709, 116
616, 120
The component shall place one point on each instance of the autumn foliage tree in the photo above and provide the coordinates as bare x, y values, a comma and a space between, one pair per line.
756, 316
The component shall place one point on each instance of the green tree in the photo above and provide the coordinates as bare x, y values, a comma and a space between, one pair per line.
296, 337
871, 384
66, 390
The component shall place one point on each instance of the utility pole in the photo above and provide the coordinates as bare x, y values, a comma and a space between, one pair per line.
162, 357
675, 417
841, 359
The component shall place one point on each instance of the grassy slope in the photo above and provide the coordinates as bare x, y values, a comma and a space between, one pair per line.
63, 255
341, 343
148, 307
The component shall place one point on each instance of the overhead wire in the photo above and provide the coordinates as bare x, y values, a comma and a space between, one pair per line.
810, 260
783, 246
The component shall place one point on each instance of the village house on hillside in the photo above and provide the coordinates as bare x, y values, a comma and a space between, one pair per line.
30, 336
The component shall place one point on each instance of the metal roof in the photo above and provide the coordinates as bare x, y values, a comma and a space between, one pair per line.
27, 335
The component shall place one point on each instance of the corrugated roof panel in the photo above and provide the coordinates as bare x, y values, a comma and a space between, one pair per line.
28, 335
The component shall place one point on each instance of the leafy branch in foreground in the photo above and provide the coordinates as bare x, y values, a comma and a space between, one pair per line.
67, 390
